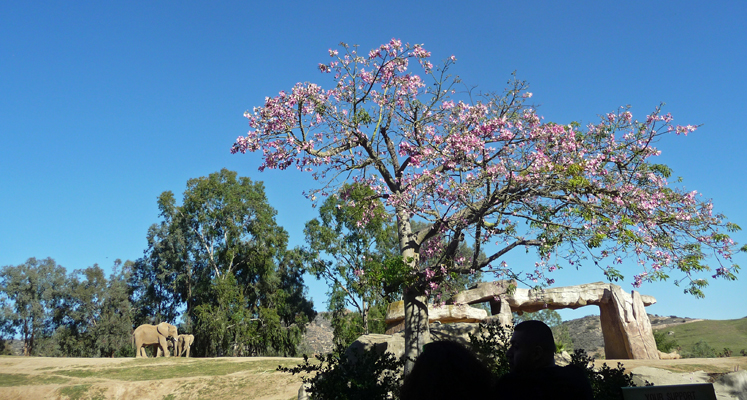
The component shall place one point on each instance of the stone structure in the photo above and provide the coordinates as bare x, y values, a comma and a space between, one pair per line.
625, 325
448, 313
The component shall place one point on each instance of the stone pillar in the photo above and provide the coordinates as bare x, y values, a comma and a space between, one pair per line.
501, 312
625, 326
645, 344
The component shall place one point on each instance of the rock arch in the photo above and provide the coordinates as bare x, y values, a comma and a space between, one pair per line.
625, 325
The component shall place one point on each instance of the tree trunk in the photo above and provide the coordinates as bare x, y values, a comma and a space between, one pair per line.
364, 314
416, 326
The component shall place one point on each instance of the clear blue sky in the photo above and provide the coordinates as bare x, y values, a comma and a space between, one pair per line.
104, 105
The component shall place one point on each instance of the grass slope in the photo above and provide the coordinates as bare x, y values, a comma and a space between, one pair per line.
719, 334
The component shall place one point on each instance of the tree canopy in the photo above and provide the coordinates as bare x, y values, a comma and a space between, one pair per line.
80, 314
353, 258
222, 257
486, 166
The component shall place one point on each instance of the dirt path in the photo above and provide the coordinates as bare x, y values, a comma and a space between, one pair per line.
721, 364
51, 378
41, 378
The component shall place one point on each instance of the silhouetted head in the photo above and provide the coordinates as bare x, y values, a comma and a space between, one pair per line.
447, 370
532, 347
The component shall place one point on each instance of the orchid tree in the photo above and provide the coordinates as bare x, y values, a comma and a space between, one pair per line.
487, 168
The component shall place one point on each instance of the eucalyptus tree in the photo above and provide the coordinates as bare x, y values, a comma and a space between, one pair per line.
33, 292
219, 256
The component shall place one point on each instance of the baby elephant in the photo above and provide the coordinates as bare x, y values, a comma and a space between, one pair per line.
183, 343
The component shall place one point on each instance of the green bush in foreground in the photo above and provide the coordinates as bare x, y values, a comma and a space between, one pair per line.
372, 375
377, 376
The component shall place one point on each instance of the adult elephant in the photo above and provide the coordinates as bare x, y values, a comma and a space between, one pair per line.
156, 348
147, 334
183, 343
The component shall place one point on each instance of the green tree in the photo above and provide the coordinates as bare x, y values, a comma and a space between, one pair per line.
701, 349
94, 318
113, 330
663, 342
222, 257
350, 256
80, 311
33, 292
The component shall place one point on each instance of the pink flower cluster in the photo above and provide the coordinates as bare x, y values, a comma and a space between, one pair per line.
488, 165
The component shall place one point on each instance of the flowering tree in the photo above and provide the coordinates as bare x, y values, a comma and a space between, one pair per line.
489, 169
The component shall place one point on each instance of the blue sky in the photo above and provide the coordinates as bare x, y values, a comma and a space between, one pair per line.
104, 105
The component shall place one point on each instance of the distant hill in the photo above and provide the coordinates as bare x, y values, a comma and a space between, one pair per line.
586, 333
718, 334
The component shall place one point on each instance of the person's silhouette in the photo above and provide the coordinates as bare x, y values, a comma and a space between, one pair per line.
534, 374
447, 370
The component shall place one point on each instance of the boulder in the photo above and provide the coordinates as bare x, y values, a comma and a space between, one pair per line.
562, 359
394, 344
733, 384
458, 332
669, 356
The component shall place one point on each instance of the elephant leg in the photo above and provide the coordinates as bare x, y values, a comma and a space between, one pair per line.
187, 348
139, 349
163, 346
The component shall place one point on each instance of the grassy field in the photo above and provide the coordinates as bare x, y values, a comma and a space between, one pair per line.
154, 378
718, 334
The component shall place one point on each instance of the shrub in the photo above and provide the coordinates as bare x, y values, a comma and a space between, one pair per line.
664, 343
606, 382
492, 343
701, 350
375, 375
372, 376
726, 353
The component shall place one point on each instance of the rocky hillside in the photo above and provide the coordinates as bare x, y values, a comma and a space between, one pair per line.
318, 337
586, 332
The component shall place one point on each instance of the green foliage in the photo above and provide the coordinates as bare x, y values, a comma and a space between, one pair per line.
726, 353
701, 349
82, 314
664, 343
369, 375
492, 343
32, 294
221, 256
356, 260
606, 382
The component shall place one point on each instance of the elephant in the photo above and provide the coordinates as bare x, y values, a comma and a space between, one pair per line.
146, 335
156, 348
183, 343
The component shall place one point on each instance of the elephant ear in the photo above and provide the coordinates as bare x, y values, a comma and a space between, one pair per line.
163, 329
